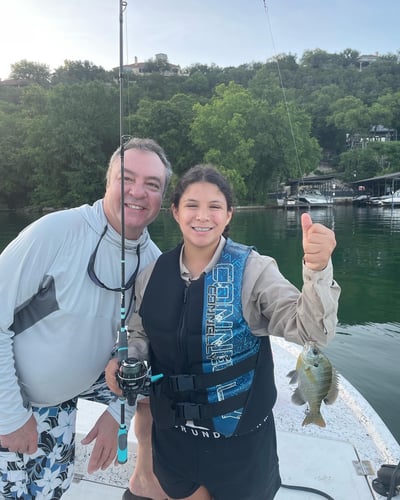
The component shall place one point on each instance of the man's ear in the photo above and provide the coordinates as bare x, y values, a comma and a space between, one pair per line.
174, 212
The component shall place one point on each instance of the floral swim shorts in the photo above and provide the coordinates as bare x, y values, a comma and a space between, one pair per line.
46, 474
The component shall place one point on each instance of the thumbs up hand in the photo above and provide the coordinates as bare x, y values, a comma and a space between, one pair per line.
318, 243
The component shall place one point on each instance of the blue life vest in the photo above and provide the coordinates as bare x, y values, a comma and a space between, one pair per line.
216, 372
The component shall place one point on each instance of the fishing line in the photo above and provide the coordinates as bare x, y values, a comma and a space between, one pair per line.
269, 26
275, 57
128, 104
126, 37
268, 21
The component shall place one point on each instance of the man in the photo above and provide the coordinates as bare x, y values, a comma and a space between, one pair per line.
59, 316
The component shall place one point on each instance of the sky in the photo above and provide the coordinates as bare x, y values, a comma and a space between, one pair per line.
221, 32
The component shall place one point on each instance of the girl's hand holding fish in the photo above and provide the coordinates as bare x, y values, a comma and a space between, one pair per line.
318, 243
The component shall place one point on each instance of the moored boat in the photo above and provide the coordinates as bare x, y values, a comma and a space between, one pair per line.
388, 200
361, 200
314, 197
307, 198
392, 200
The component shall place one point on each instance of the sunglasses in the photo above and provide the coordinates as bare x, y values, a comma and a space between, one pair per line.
96, 280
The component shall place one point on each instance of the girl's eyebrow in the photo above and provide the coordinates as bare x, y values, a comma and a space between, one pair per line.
194, 200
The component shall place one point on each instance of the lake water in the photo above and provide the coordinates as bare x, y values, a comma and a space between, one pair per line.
366, 261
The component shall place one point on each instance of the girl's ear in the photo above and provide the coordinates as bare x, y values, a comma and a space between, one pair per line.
229, 217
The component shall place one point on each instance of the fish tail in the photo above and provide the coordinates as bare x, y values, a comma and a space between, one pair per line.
314, 418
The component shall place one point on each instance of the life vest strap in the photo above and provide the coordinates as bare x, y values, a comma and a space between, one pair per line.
199, 381
194, 411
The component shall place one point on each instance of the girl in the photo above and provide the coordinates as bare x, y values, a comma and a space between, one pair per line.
207, 309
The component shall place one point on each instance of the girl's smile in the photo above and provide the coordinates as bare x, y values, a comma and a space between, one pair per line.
202, 214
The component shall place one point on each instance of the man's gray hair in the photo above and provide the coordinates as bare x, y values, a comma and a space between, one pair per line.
143, 144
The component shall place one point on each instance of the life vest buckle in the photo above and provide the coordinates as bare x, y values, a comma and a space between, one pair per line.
189, 411
182, 383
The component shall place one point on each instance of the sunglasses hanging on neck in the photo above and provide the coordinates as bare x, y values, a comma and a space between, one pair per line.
93, 276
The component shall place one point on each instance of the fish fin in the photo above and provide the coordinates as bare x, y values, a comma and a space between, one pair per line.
316, 419
292, 375
297, 398
333, 392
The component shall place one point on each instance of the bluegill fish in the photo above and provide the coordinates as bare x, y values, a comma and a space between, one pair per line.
317, 381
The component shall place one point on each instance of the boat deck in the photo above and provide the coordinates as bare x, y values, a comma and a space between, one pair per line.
340, 460
307, 461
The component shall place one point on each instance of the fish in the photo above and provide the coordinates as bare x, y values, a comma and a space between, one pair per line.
317, 381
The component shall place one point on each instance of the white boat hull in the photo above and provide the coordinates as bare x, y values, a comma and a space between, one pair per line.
388, 200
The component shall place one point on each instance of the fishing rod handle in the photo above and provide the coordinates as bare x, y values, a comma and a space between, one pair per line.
122, 454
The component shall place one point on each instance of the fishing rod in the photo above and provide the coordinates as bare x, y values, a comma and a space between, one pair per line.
133, 376
123, 335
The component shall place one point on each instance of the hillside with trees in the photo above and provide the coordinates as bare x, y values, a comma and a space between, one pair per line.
260, 123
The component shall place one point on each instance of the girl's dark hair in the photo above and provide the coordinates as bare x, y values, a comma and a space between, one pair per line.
203, 173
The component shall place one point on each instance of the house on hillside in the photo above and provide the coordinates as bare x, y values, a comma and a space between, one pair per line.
15, 82
377, 133
158, 65
367, 59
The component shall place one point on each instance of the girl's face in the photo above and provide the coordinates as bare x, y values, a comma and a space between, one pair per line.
202, 214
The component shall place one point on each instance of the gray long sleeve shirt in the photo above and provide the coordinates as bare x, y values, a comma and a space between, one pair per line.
57, 327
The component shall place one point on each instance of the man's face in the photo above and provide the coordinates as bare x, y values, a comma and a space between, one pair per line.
144, 181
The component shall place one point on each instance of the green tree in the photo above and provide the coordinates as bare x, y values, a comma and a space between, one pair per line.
261, 141
15, 172
266, 85
319, 59
80, 71
390, 105
196, 83
168, 122
318, 106
283, 149
72, 142
378, 158
220, 129
350, 115
349, 57
262, 131
18, 117
33, 71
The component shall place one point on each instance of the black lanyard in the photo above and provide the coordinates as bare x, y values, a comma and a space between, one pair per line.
93, 276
